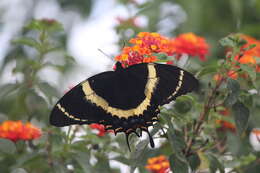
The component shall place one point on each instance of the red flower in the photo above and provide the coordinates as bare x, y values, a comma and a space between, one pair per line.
16, 130
158, 164
100, 128
190, 44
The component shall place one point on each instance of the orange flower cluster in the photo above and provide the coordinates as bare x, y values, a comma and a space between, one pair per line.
16, 130
158, 164
249, 56
225, 125
190, 44
100, 128
146, 44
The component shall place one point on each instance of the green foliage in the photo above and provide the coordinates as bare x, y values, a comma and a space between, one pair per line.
190, 136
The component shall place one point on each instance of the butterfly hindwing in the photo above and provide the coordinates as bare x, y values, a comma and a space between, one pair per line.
173, 82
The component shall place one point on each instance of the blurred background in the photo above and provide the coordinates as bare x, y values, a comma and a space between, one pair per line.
94, 33
95, 30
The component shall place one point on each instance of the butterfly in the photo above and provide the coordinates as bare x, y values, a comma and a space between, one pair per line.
123, 100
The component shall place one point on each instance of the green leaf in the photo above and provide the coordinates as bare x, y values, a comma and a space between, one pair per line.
50, 25
177, 165
182, 106
234, 91
83, 160
233, 85
241, 114
7, 88
48, 90
207, 70
194, 161
34, 102
227, 42
214, 164
249, 70
7, 146
27, 42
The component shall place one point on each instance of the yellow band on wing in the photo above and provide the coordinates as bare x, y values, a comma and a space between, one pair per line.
149, 88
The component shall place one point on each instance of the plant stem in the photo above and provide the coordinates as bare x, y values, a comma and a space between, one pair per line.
210, 101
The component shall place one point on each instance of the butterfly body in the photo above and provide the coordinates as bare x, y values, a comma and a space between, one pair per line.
125, 99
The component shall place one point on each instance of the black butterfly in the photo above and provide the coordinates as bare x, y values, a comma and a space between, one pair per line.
125, 99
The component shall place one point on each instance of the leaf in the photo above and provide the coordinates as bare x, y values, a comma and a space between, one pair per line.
241, 114
182, 107
227, 42
194, 161
48, 90
34, 102
83, 160
122, 159
233, 85
7, 146
6, 89
214, 164
27, 42
207, 70
233, 95
50, 25
177, 165
249, 70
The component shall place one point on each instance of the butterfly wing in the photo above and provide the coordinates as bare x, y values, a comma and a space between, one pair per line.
123, 100
99, 98
173, 82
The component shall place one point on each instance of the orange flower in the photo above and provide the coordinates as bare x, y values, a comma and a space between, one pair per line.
225, 125
249, 56
153, 42
158, 164
16, 130
190, 44
231, 74
146, 44
100, 128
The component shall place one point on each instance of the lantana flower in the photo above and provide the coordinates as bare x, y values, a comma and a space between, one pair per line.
100, 128
249, 56
16, 130
146, 45
190, 44
158, 164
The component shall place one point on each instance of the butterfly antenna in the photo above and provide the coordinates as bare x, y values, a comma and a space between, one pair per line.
105, 54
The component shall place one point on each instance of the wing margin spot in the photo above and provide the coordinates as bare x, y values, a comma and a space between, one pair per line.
62, 109
178, 87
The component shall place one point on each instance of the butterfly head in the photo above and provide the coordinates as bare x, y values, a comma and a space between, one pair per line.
118, 66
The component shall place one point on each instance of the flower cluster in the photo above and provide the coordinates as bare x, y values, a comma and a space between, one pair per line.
249, 56
158, 164
225, 125
190, 44
100, 128
146, 45
16, 130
